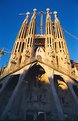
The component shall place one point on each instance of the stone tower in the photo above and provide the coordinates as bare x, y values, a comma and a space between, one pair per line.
38, 83
51, 44
23, 49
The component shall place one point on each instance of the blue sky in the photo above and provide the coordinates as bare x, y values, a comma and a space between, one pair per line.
10, 21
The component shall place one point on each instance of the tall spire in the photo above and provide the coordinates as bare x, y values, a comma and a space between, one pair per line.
23, 30
58, 28
49, 51
55, 15
48, 22
32, 25
29, 42
62, 56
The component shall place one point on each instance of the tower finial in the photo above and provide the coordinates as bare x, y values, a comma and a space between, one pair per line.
27, 13
48, 10
56, 18
55, 14
34, 10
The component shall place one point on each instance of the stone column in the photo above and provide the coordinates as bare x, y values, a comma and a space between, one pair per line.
55, 96
73, 93
11, 100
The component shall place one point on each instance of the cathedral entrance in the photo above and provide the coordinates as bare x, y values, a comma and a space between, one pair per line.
41, 116
31, 115
35, 116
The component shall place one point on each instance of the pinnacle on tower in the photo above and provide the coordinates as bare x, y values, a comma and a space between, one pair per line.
28, 13
34, 10
48, 22
48, 10
58, 28
32, 24
55, 15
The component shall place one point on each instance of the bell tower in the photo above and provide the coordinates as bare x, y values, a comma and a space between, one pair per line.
49, 42
29, 40
23, 49
60, 46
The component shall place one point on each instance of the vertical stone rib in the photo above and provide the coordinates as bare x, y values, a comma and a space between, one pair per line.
60, 113
31, 29
58, 28
23, 29
57, 102
48, 25
11, 100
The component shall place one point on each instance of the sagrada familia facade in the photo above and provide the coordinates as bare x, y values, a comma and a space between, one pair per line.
39, 82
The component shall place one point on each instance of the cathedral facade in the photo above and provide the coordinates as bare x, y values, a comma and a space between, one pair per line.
39, 82
50, 46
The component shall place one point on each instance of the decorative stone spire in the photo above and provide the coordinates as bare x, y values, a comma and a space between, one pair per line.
32, 25
29, 50
34, 10
55, 15
28, 13
58, 29
23, 30
62, 56
48, 22
49, 37
48, 11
